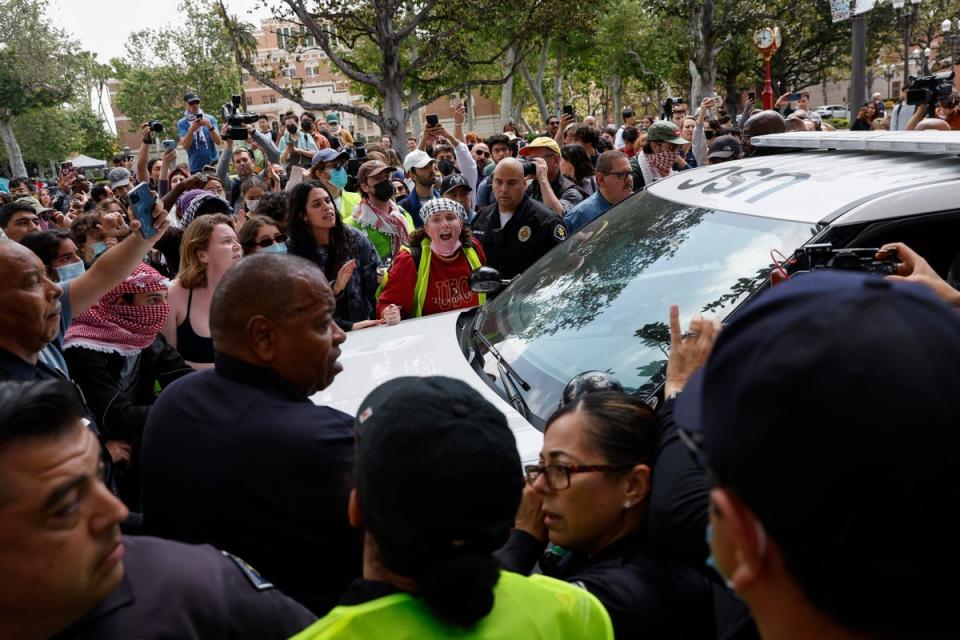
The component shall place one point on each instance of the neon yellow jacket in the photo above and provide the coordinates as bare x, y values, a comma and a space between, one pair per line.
525, 608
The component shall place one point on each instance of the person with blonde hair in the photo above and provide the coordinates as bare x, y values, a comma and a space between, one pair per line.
208, 249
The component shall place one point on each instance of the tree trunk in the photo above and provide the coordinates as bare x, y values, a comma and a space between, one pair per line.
703, 64
506, 95
823, 86
467, 100
14, 155
616, 91
558, 81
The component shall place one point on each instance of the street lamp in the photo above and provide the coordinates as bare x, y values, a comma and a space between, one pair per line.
907, 20
946, 26
889, 70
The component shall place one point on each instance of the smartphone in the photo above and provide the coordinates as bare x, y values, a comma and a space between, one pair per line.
794, 97
142, 201
169, 145
66, 167
432, 120
752, 97
568, 109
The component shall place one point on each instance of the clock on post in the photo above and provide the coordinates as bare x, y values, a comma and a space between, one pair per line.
767, 41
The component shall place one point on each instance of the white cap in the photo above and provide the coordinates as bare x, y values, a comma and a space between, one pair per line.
416, 159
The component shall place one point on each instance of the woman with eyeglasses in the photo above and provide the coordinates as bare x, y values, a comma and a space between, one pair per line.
590, 497
347, 257
261, 235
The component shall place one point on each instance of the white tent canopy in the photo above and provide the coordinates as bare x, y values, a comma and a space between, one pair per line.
86, 162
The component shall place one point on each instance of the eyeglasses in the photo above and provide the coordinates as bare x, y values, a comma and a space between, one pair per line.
482, 154
557, 476
266, 242
553, 124
620, 174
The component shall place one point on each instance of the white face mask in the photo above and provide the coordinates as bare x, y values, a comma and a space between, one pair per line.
252, 204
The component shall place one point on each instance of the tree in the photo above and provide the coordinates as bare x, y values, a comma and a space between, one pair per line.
162, 64
37, 69
374, 43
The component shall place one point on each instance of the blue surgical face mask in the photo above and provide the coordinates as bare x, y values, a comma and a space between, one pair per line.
276, 247
70, 271
338, 177
98, 248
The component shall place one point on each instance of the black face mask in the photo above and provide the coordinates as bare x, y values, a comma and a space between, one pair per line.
383, 191
292, 128
446, 166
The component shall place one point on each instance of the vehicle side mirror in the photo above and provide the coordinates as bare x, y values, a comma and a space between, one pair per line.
485, 280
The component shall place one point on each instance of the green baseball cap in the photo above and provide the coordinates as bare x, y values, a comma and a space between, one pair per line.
665, 131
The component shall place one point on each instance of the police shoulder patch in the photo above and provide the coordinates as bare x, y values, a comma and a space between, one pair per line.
256, 580
560, 232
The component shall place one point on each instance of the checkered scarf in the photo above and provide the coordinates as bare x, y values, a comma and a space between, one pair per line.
111, 327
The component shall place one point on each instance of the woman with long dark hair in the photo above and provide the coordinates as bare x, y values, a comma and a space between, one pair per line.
346, 256
865, 117
576, 165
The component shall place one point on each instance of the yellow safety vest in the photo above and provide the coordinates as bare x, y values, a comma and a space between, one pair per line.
423, 274
525, 608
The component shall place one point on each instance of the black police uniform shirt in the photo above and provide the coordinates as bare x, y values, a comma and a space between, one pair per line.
646, 594
238, 458
530, 232
174, 590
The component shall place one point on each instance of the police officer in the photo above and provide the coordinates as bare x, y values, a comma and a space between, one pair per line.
69, 574
516, 230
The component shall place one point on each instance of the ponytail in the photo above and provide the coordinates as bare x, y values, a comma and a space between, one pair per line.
460, 591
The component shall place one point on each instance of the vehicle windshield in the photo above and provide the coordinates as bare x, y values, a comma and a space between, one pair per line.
601, 299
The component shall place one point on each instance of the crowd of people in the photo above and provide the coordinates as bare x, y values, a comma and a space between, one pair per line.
164, 473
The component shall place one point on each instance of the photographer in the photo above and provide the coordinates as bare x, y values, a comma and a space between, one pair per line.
296, 147
243, 163
198, 133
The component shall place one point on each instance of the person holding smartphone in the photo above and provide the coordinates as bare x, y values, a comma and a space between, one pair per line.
199, 135
785, 102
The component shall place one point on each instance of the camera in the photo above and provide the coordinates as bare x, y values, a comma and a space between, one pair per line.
156, 126
815, 257
930, 90
237, 120
529, 169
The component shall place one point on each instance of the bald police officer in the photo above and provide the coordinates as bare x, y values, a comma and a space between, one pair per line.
516, 230
67, 571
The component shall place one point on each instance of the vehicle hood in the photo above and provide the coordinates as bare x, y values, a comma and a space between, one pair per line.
416, 347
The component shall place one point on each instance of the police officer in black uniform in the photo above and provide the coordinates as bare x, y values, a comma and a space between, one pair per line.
68, 572
175, 590
516, 230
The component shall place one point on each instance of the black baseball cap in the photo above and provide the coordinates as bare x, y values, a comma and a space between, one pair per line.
452, 181
831, 407
438, 472
725, 148
191, 96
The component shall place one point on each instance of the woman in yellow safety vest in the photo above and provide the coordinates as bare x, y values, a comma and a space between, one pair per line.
431, 274
438, 482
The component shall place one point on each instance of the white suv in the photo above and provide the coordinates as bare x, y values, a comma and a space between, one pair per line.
702, 239
834, 111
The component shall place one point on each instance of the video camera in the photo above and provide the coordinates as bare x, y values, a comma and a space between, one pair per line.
815, 257
930, 90
236, 120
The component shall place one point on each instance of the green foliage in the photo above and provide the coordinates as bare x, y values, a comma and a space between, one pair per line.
37, 66
162, 64
52, 134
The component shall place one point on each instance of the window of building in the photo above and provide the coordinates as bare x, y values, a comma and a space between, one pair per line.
271, 99
290, 72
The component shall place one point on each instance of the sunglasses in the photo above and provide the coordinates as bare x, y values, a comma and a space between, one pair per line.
482, 154
266, 242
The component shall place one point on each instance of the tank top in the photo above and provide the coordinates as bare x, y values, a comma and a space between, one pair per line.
192, 347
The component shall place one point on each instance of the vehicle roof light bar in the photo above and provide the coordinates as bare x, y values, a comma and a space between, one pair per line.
929, 142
